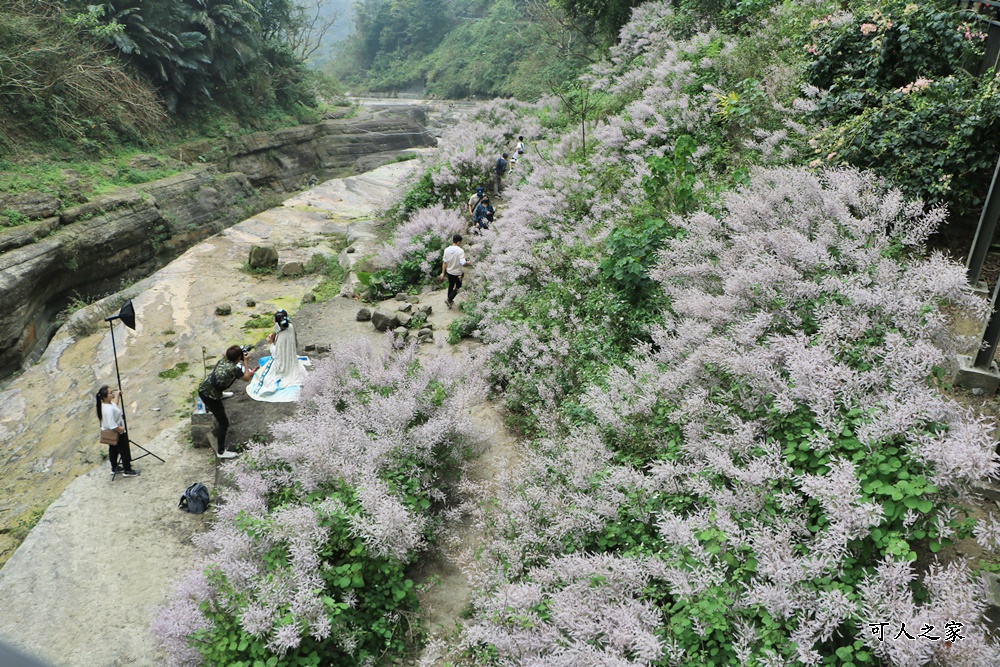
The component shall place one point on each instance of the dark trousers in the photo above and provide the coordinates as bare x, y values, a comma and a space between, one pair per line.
454, 283
219, 411
120, 451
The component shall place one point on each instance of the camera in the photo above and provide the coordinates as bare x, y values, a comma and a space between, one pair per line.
246, 349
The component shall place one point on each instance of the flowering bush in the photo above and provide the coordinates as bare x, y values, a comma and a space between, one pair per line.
876, 50
751, 479
415, 252
306, 561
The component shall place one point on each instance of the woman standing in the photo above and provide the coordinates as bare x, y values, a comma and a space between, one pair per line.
112, 418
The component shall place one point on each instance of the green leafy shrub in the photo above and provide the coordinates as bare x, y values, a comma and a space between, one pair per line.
937, 140
885, 47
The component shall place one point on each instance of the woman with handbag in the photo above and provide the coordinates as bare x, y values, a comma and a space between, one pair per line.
113, 433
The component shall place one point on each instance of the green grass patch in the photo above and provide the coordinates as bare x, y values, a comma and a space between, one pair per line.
258, 271
262, 321
11, 218
175, 372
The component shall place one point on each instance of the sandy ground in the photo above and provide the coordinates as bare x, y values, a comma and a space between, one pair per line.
83, 586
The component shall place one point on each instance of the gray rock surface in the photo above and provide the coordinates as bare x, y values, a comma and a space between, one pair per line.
383, 321
364, 315
112, 544
128, 233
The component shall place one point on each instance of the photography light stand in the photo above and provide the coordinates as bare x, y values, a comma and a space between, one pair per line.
127, 316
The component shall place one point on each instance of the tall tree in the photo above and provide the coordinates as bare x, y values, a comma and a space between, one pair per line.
604, 16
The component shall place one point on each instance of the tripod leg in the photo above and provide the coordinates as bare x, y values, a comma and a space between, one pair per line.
148, 453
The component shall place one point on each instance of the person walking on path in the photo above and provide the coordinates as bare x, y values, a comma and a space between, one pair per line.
483, 216
518, 153
474, 201
210, 390
453, 266
499, 170
112, 418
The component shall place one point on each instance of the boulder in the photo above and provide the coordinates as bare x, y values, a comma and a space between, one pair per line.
310, 347
322, 349
308, 297
251, 303
33, 204
405, 308
403, 319
401, 332
401, 296
364, 315
263, 257
426, 331
413, 299
426, 310
223, 309
144, 162
383, 322
294, 269
351, 250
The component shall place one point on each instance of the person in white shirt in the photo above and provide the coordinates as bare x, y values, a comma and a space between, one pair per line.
112, 418
454, 267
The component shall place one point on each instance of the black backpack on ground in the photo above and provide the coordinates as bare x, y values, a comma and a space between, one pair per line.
195, 499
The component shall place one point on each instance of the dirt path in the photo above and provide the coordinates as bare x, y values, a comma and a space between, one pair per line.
443, 587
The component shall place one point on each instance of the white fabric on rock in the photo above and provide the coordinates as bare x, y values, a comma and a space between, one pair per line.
280, 377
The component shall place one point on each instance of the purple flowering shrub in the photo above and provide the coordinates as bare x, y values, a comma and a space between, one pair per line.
305, 564
414, 253
754, 486
469, 151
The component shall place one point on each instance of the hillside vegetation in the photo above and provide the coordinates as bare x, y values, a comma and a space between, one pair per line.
83, 79
710, 308
466, 48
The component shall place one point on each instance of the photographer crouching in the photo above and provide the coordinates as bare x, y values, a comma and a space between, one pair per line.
234, 367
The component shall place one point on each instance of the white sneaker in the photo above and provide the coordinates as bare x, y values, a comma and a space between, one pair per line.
226, 455
227, 394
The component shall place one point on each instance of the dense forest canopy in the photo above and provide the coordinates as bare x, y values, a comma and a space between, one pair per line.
465, 48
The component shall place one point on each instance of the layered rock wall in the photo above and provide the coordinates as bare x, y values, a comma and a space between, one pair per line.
90, 246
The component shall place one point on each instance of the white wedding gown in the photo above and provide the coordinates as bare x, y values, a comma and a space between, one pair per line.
280, 376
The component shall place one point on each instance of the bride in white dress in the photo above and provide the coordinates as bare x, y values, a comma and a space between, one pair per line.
280, 376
